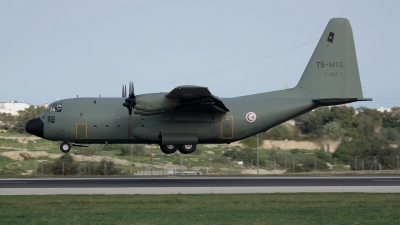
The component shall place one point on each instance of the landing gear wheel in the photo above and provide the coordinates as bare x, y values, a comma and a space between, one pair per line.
65, 147
168, 149
187, 149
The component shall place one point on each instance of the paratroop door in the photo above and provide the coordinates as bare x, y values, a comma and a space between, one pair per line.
81, 131
227, 127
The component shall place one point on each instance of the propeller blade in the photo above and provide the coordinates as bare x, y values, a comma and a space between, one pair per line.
129, 106
131, 90
130, 102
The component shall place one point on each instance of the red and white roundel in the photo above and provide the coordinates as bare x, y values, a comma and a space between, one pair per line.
251, 117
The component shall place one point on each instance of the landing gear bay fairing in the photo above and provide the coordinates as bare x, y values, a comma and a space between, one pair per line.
190, 115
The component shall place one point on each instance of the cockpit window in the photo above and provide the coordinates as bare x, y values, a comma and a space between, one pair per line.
55, 107
51, 119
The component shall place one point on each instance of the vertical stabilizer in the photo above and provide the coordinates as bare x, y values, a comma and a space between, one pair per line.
332, 71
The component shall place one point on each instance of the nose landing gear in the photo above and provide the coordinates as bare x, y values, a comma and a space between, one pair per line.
65, 147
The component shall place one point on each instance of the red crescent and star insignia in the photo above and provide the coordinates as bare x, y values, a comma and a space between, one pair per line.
251, 117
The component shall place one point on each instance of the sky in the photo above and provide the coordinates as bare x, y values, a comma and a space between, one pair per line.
53, 50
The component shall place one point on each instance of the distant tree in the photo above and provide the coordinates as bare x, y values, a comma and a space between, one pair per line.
365, 128
387, 156
312, 122
393, 134
70, 167
345, 152
333, 130
323, 155
309, 164
392, 119
137, 150
24, 116
367, 151
374, 115
374, 147
345, 116
281, 132
107, 168
7, 121
250, 142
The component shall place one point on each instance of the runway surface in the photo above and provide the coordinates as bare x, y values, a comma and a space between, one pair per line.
197, 185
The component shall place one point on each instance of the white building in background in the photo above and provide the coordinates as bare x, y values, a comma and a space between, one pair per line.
12, 107
381, 109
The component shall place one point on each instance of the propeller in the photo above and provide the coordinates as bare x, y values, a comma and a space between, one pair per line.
130, 102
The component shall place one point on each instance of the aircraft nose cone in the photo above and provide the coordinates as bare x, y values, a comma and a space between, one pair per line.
35, 127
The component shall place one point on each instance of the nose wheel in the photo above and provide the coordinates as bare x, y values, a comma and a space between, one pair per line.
65, 147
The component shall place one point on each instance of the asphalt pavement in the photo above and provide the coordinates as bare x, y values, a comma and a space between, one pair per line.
199, 185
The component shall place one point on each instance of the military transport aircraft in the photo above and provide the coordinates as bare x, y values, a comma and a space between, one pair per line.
190, 115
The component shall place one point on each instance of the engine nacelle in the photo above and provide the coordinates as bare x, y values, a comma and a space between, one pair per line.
151, 104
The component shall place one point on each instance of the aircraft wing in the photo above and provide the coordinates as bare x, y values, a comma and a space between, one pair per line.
195, 95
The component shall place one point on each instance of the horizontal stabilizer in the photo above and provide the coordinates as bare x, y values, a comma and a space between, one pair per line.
338, 101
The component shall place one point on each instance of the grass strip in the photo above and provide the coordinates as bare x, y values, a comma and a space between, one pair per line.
299, 208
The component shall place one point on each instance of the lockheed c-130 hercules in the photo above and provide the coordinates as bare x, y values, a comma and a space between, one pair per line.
190, 115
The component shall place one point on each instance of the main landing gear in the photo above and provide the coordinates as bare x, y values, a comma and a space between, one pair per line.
65, 147
187, 149
184, 149
168, 149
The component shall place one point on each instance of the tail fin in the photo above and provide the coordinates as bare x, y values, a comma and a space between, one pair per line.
332, 72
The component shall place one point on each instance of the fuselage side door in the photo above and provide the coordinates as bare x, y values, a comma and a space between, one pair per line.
227, 127
81, 131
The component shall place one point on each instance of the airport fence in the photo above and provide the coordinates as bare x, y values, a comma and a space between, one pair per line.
273, 163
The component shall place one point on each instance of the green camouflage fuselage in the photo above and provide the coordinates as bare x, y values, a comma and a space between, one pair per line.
105, 120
